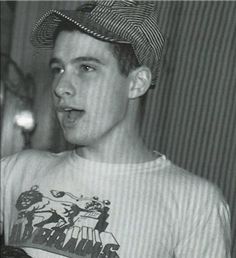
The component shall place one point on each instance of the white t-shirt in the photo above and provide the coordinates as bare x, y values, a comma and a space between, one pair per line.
61, 205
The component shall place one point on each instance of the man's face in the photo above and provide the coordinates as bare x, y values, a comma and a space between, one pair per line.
89, 92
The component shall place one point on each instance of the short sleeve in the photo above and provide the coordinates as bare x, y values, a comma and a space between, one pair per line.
6, 167
206, 231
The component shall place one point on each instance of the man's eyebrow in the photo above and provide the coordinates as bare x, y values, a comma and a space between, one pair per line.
77, 59
54, 60
87, 59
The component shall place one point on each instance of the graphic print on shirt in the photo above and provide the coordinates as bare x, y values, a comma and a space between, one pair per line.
64, 224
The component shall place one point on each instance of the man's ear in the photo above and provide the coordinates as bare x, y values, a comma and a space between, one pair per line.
140, 81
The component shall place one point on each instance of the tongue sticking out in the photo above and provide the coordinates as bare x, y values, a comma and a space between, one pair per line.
73, 115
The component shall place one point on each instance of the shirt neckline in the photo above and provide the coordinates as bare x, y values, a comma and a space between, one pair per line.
160, 161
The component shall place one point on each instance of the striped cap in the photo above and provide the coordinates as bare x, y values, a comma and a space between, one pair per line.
124, 21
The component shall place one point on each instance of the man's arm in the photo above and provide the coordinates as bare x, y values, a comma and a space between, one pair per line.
207, 232
7, 251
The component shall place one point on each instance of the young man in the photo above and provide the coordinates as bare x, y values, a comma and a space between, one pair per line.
111, 196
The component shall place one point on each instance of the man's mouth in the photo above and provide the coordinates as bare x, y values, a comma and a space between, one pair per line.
70, 116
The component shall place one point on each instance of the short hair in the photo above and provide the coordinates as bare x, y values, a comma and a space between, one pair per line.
124, 53
125, 56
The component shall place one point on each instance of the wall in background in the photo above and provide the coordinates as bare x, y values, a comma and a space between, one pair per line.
194, 106
6, 19
191, 114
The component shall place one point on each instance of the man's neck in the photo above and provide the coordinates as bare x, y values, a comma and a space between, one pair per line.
121, 146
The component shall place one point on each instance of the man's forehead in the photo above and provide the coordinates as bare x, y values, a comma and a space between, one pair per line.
75, 43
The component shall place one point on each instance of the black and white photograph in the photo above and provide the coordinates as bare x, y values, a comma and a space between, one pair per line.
118, 129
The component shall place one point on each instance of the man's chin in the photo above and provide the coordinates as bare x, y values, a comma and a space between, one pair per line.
78, 140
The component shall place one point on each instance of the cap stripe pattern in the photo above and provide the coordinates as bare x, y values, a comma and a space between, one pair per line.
124, 21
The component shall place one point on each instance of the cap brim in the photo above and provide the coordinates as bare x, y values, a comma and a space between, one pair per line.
43, 34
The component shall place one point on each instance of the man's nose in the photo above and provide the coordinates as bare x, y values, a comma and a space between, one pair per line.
64, 87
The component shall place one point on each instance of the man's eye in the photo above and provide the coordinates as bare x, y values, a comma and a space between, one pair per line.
57, 70
86, 68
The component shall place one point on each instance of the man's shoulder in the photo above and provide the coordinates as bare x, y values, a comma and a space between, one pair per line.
30, 159
188, 185
26, 156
